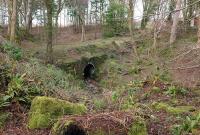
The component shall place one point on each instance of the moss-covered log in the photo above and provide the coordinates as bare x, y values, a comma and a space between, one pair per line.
114, 123
45, 111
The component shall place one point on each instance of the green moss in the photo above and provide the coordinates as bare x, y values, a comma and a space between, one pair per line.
138, 128
172, 110
45, 111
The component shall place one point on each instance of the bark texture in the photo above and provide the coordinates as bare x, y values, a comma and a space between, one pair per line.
13, 21
175, 22
49, 6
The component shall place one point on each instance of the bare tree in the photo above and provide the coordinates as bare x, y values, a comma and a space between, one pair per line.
198, 35
49, 6
160, 18
28, 18
131, 16
10, 8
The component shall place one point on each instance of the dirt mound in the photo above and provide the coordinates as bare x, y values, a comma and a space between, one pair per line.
186, 68
116, 123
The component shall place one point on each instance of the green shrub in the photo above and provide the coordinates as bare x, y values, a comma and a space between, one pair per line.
4, 101
18, 91
48, 79
173, 91
13, 51
99, 104
115, 95
187, 126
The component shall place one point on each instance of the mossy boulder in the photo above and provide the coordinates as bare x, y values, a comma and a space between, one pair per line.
46, 110
172, 110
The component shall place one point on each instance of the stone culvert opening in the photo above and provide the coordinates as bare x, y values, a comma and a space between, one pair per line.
89, 71
73, 129
116, 123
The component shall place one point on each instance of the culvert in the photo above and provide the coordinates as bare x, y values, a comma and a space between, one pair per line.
73, 129
115, 123
89, 71
84, 68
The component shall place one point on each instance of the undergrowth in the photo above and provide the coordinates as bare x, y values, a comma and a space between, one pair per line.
25, 80
13, 51
188, 126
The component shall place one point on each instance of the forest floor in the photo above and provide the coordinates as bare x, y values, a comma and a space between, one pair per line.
160, 85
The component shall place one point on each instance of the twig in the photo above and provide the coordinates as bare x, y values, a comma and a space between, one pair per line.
183, 54
185, 68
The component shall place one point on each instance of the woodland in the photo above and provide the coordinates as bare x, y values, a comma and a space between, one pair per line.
99, 67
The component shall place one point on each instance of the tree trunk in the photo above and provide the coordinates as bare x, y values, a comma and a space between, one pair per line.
146, 9
96, 21
130, 17
198, 34
83, 38
49, 6
10, 5
29, 16
58, 11
175, 22
13, 22
144, 22
83, 32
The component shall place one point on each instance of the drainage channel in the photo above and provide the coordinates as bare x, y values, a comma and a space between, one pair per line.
89, 74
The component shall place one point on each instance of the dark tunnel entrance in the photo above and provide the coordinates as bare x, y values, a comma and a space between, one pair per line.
89, 71
73, 129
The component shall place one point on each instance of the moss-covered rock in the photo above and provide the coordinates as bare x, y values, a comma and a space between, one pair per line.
46, 110
172, 110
